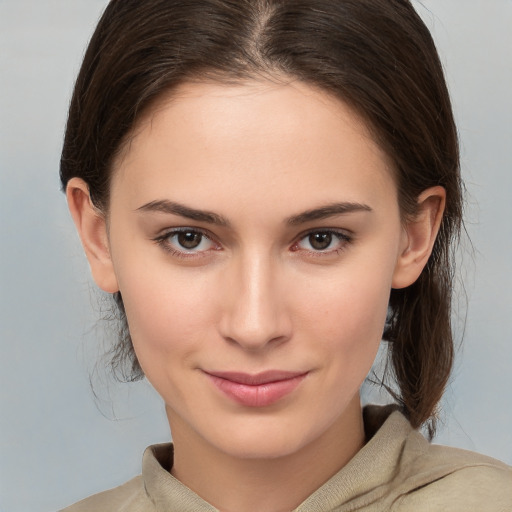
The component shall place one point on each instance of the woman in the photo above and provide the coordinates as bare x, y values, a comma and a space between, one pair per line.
268, 189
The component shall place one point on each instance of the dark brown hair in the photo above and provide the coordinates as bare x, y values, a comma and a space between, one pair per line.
375, 55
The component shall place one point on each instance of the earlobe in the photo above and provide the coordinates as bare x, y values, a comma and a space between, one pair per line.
419, 236
92, 229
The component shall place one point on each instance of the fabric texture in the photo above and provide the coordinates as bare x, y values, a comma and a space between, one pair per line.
397, 470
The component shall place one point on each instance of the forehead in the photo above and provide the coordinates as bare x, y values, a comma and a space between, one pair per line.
213, 142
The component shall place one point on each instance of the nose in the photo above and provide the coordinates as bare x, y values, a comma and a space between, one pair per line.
254, 309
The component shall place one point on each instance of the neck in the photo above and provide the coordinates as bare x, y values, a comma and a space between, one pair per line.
276, 484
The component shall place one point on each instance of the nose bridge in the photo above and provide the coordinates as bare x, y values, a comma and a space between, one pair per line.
255, 313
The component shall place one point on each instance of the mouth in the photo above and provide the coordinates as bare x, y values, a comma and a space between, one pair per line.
258, 390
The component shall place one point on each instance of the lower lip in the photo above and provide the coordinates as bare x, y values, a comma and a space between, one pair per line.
259, 395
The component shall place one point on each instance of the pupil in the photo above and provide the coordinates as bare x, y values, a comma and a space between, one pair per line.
189, 239
320, 241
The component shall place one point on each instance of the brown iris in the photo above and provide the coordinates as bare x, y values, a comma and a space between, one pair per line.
189, 239
320, 241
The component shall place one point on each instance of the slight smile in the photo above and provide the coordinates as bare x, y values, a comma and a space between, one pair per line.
257, 390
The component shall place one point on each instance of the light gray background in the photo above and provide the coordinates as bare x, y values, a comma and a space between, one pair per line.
57, 443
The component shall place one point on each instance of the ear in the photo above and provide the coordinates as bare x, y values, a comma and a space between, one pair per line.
419, 236
92, 228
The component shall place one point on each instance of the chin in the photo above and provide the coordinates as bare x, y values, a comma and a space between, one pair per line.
257, 442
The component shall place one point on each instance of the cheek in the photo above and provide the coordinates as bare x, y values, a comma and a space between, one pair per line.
167, 316
349, 306
346, 318
169, 328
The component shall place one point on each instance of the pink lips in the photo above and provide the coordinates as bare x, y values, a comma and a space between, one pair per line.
257, 390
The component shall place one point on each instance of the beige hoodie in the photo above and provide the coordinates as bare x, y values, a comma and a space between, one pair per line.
397, 470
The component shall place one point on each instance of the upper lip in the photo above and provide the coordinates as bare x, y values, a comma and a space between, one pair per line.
256, 379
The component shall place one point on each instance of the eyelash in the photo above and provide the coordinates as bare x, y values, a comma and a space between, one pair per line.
163, 241
343, 241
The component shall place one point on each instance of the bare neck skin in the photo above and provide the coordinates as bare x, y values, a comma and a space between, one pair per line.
274, 485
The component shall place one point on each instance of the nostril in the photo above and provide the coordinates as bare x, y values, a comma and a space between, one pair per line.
256, 344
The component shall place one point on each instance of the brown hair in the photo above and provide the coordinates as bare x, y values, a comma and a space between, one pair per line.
376, 55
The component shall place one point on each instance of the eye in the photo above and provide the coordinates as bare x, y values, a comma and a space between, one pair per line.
322, 241
186, 242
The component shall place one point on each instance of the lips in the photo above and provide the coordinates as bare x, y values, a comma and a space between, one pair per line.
257, 390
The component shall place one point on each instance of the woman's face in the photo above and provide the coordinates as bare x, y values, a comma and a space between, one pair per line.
255, 235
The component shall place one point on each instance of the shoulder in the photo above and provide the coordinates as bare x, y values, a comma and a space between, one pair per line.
436, 477
129, 497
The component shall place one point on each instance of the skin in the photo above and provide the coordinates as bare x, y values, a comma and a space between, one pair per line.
256, 294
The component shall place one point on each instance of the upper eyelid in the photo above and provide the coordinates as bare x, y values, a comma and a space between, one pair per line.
164, 233
345, 233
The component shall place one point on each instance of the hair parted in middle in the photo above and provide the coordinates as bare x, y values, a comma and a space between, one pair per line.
377, 56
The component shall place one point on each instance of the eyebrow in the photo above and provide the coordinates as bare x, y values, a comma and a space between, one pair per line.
327, 211
323, 212
165, 206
